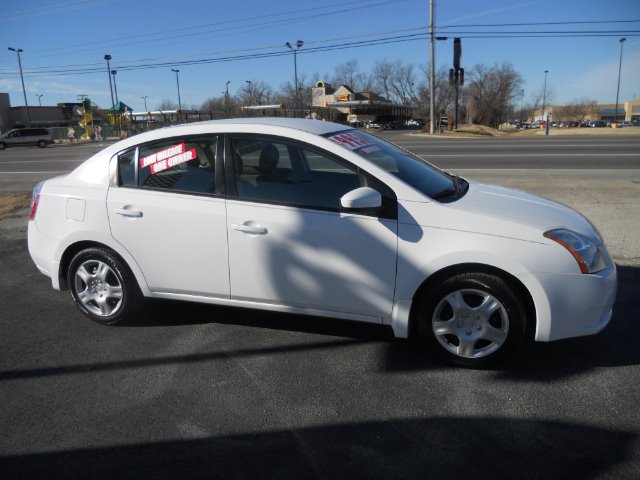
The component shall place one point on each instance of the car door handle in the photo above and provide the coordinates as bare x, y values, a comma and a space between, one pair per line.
125, 212
249, 228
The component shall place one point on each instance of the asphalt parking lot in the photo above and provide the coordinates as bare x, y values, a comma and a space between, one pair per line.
196, 391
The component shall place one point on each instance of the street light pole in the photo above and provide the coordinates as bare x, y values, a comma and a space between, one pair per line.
24, 90
521, 105
622, 40
178, 84
299, 44
226, 98
107, 57
432, 70
39, 95
115, 86
544, 100
250, 96
144, 97
544, 93
250, 92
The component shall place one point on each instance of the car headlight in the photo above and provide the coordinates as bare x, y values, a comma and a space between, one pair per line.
583, 249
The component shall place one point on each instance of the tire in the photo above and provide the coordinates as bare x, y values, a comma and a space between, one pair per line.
103, 288
42, 143
473, 319
3, 146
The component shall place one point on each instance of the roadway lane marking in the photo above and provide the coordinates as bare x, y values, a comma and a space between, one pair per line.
493, 145
493, 155
36, 172
616, 171
38, 161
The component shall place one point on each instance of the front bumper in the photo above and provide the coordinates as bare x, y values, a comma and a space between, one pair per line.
572, 304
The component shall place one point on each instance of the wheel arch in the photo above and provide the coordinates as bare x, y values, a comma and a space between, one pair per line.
451, 270
73, 249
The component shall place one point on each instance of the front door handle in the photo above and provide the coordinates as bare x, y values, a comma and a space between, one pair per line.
125, 212
249, 227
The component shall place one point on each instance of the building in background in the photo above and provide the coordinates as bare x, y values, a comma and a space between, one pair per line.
360, 107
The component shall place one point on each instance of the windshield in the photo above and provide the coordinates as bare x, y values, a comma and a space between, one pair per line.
412, 170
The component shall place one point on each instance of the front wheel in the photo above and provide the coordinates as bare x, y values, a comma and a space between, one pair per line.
42, 143
102, 287
473, 319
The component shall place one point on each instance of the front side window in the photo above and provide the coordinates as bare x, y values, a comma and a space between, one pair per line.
285, 172
180, 164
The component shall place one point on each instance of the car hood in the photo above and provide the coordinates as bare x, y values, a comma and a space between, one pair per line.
505, 212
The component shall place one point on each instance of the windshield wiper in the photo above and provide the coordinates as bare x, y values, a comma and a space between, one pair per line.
449, 191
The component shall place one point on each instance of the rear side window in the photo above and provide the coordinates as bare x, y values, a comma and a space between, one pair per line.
127, 168
180, 164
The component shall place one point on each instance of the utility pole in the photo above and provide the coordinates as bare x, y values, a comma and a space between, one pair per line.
107, 57
115, 85
24, 90
176, 71
432, 70
615, 115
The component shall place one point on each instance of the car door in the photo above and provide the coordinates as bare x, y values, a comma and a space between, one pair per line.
290, 242
166, 212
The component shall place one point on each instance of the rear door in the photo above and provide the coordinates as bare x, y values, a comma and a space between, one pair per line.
167, 212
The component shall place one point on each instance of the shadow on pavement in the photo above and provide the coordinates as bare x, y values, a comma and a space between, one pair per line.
449, 447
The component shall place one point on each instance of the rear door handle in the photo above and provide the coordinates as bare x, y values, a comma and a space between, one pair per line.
125, 212
248, 227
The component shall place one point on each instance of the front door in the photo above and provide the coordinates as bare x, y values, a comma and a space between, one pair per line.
291, 244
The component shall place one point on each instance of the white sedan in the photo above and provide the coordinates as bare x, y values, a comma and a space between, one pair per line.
312, 217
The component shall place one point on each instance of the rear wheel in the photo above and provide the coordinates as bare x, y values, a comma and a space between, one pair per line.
3, 146
473, 319
102, 287
42, 143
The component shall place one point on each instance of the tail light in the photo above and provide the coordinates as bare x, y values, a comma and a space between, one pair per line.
35, 200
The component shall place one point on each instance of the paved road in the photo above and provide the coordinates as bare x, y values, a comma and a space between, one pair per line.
21, 168
586, 152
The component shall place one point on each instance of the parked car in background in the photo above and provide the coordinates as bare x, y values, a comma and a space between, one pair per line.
315, 218
26, 137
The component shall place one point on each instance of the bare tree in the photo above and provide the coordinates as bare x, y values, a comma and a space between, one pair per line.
491, 93
215, 105
166, 105
403, 83
257, 92
382, 75
346, 74
443, 97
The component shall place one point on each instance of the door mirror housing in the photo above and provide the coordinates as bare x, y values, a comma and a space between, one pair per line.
363, 198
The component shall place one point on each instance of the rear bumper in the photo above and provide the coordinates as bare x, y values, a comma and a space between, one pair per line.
42, 252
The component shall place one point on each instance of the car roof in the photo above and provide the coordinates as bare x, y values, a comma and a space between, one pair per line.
317, 127
314, 127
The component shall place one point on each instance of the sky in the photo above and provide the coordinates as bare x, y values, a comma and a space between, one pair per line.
64, 42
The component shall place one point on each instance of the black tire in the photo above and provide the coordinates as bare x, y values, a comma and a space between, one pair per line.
103, 288
473, 319
3, 146
42, 143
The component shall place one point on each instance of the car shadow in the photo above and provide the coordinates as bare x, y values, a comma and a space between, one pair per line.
162, 313
539, 361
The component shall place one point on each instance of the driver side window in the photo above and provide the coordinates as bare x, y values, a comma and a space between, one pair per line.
278, 171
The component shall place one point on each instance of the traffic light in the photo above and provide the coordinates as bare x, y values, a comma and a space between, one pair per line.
457, 53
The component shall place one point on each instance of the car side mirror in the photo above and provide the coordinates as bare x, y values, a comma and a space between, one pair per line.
362, 198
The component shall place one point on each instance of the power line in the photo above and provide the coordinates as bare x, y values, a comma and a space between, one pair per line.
325, 48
